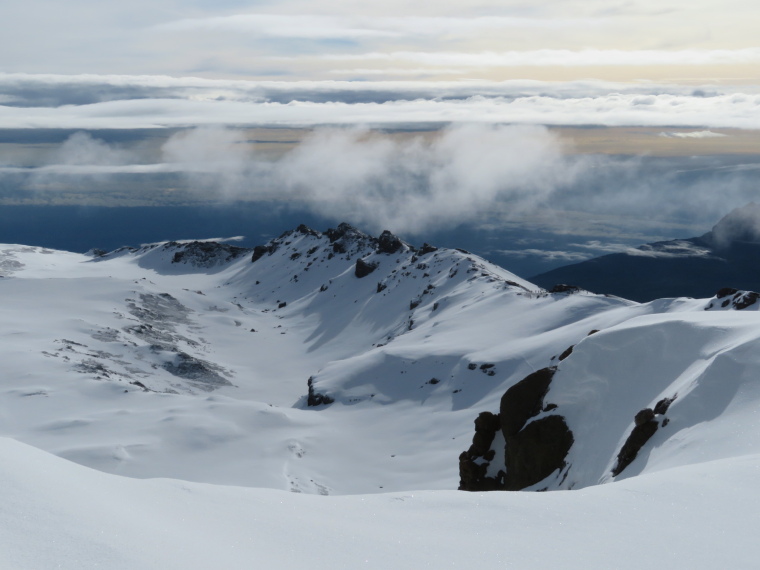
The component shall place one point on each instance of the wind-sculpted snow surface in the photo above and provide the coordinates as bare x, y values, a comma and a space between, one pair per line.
285, 367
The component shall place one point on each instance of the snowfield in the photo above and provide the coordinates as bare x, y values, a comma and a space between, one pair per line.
206, 403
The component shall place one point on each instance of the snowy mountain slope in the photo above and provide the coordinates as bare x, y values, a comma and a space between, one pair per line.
62, 515
191, 361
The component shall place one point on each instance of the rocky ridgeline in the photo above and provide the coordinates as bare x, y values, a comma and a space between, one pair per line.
196, 254
728, 299
205, 253
354, 276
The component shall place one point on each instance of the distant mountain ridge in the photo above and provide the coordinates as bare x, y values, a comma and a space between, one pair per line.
727, 256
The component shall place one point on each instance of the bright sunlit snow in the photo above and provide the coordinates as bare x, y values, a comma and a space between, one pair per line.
189, 362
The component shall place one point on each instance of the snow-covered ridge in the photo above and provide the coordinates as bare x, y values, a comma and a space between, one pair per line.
338, 362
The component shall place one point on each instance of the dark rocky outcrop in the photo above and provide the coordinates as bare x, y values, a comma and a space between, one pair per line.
260, 250
534, 449
524, 400
306, 230
725, 292
388, 243
645, 426
474, 463
734, 299
536, 452
563, 288
314, 398
662, 406
364, 268
568, 351
427, 248
205, 253
343, 230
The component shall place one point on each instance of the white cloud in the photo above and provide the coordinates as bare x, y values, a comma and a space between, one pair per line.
413, 185
81, 149
546, 254
692, 135
610, 109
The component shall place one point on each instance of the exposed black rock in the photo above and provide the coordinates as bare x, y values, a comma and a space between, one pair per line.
524, 400
474, 463
644, 416
205, 253
204, 375
534, 450
334, 234
747, 299
281, 305
381, 287
315, 398
568, 352
725, 292
537, 451
427, 248
388, 243
472, 366
562, 288
487, 366
645, 428
260, 250
364, 268
662, 406
734, 299
306, 230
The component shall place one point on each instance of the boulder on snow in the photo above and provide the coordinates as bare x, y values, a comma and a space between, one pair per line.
314, 398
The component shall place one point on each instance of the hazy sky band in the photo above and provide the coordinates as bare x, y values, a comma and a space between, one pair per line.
297, 40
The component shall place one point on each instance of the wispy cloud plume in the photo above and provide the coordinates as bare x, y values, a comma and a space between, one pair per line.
491, 174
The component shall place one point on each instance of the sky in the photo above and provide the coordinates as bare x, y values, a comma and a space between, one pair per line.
86, 64
396, 115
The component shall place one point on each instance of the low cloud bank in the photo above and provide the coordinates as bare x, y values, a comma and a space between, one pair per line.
130, 102
481, 174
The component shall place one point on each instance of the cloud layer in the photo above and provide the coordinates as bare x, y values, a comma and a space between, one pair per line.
93, 102
483, 174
